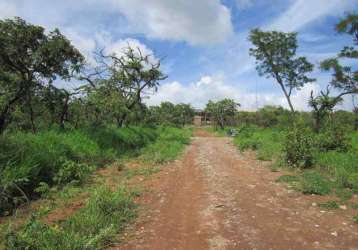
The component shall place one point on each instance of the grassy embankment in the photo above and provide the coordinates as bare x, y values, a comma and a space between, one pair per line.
58, 166
333, 171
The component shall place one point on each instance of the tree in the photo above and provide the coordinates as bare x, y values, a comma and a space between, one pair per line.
29, 60
123, 80
322, 105
344, 78
222, 110
275, 54
185, 114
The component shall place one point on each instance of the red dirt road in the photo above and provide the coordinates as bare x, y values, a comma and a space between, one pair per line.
215, 197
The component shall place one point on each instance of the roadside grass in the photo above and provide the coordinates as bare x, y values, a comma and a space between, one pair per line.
32, 163
333, 171
329, 205
267, 142
93, 227
143, 171
355, 219
168, 144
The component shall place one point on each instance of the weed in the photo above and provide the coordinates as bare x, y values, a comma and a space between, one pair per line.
329, 205
344, 194
355, 219
144, 171
288, 178
312, 182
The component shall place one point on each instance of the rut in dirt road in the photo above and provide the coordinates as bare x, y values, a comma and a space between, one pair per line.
218, 198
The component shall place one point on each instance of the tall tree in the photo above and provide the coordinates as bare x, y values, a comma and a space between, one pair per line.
344, 78
275, 54
29, 60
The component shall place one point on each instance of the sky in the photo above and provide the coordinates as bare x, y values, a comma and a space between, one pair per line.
203, 44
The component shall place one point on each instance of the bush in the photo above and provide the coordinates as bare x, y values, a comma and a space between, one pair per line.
71, 171
333, 138
299, 147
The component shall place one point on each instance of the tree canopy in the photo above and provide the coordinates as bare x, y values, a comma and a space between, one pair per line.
275, 54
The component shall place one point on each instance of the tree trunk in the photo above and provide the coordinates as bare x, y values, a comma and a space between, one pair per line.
64, 112
288, 98
2, 122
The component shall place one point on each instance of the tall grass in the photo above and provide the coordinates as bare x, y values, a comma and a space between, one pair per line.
27, 160
342, 167
169, 144
93, 227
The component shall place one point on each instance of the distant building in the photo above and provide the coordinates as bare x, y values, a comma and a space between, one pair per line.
201, 118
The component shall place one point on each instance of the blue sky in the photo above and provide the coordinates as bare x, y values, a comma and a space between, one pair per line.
203, 42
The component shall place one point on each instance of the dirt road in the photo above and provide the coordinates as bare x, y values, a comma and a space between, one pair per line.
215, 197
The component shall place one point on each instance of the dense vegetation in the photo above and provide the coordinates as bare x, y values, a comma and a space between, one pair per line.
52, 134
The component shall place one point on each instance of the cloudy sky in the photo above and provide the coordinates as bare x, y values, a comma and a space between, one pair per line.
203, 42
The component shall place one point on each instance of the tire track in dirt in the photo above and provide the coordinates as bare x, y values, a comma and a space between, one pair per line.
218, 198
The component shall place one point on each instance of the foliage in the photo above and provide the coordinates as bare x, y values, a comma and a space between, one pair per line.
72, 171
298, 147
53, 157
332, 138
344, 78
30, 59
221, 111
118, 84
314, 183
168, 113
169, 144
93, 227
275, 57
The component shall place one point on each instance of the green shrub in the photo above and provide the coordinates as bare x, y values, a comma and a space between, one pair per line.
333, 138
72, 171
267, 142
352, 182
314, 183
298, 147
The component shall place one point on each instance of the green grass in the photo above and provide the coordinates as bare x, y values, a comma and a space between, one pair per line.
144, 171
308, 182
355, 219
267, 142
312, 182
27, 161
93, 227
334, 170
170, 142
329, 205
288, 178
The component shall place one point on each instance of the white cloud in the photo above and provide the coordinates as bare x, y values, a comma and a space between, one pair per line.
215, 88
119, 47
303, 12
196, 22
